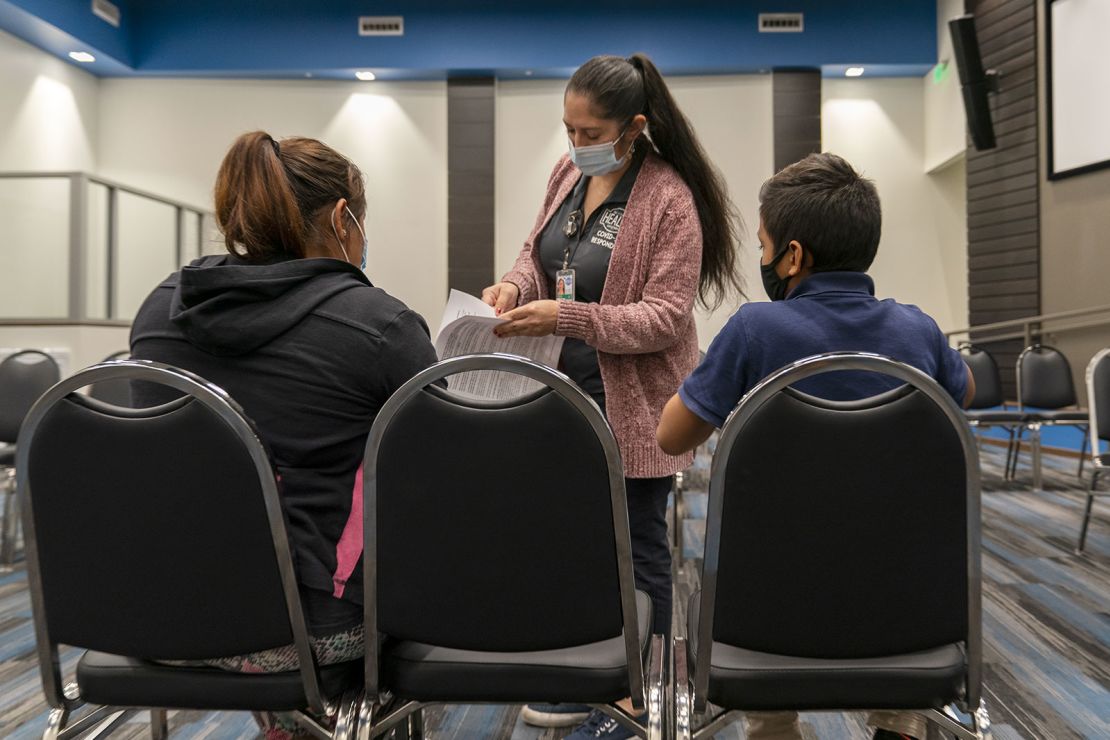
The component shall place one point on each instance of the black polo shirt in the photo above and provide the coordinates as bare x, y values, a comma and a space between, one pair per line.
590, 249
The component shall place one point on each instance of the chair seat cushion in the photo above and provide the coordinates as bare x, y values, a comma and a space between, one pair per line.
7, 454
116, 680
995, 416
588, 674
749, 680
1060, 416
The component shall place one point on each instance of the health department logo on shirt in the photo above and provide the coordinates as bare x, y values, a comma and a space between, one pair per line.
611, 219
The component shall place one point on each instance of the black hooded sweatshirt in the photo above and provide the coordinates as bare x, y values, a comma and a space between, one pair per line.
310, 350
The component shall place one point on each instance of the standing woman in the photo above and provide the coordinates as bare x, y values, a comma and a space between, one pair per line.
636, 223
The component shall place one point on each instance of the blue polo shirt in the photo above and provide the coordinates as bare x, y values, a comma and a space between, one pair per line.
826, 312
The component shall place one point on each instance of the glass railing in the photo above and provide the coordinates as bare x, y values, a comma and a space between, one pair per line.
78, 247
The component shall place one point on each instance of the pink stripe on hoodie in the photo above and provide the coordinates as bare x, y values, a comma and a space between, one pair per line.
349, 548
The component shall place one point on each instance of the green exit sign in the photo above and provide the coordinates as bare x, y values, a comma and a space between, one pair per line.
940, 72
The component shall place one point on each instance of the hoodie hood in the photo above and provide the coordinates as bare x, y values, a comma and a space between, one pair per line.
228, 307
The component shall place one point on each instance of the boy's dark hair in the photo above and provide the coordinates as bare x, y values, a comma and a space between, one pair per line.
824, 204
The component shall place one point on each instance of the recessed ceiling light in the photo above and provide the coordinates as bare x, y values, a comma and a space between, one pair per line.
82, 56
365, 75
853, 72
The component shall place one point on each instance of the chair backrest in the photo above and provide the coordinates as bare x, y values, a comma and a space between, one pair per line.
1044, 378
1098, 398
488, 525
155, 533
845, 529
117, 392
24, 376
988, 381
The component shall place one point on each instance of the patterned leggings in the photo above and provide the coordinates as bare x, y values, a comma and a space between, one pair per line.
335, 648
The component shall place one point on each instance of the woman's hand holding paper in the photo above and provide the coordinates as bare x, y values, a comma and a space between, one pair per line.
535, 319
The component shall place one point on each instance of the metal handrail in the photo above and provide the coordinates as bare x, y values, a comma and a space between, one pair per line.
121, 323
107, 182
79, 259
1027, 323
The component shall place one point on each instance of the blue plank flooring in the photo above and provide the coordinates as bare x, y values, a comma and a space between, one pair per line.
1046, 621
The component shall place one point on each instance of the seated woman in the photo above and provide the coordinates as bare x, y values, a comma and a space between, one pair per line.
290, 326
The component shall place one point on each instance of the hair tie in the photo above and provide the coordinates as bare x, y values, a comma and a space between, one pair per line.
277, 147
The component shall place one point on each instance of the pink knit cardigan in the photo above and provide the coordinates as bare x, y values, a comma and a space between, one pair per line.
643, 328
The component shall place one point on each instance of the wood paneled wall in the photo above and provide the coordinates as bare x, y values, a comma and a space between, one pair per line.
470, 159
797, 114
1003, 197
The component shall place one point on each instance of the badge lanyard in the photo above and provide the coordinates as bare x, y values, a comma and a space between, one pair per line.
565, 278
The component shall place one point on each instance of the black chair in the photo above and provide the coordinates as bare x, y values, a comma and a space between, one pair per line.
487, 526
846, 580
24, 376
983, 411
157, 535
1046, 394
1098, 399
117, 393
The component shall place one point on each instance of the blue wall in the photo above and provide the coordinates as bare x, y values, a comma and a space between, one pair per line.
289, 38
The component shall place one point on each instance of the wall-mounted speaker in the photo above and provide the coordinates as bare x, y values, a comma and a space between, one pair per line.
975, 82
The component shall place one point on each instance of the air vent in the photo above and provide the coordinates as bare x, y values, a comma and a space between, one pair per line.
781, 23
381, 25
106, 11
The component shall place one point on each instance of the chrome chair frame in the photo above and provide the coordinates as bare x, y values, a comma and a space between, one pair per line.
1034, 426
1097, 466
97, 391
687, 706
9, 529
678, 514
375, 702
63, 698
678, 545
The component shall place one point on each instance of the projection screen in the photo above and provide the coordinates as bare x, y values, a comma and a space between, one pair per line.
1078, 86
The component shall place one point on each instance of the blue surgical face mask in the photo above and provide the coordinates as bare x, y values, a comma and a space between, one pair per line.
365, 243
598, 159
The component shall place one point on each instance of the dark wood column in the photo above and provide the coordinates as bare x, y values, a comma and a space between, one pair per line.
470, 158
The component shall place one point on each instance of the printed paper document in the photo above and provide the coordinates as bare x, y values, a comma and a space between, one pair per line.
467, 328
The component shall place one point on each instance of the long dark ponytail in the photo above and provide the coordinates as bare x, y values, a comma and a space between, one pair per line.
623, 88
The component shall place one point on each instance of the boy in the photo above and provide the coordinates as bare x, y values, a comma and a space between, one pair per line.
819, 231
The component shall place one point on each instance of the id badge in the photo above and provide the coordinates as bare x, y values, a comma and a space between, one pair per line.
564, 285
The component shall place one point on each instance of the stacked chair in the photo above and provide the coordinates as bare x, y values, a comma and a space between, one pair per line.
24, 376
1098, 399
1046, 394
984, 410
851, 581
488, 525
473, 582
128, 560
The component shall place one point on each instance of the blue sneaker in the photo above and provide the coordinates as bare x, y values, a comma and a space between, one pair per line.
554, 715
601, 725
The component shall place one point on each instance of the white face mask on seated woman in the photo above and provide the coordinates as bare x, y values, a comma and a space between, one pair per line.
365, 242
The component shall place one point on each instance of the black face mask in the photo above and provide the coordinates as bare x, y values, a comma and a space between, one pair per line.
772, 283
